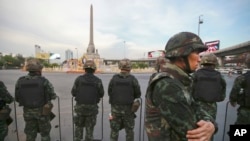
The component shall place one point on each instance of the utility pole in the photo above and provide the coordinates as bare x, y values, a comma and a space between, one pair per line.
199, 22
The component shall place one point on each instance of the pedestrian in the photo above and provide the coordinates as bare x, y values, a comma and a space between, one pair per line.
124, 93
169, 111
240, 94
209, 86
5, 119
88, 91
35, 93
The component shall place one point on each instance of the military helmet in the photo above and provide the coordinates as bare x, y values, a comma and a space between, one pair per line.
209, 59
247, 61
89, 64
34, 65
125, 64
182, 44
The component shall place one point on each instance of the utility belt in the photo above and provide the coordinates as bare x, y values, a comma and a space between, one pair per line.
45, 110
5, 112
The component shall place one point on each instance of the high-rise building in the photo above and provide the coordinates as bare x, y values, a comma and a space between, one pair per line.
68, 54
37, 49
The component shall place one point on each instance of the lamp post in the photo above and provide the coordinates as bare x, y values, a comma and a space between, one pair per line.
124, 49
76, 53
199, 22
76, 65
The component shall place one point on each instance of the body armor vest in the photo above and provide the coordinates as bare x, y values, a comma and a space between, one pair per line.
208, 86
153, 113
32, 93
122, 91
247, 89
87, 92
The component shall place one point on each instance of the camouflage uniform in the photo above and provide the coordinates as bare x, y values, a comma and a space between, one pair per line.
122, 115
35, 120
208, 62
86, 113
237, 95
5, 97
170, 109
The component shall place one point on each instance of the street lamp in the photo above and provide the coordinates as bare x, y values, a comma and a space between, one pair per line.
124, 49
199, 22
76, 53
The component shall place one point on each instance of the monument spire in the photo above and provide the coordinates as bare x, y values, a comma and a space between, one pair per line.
91, 46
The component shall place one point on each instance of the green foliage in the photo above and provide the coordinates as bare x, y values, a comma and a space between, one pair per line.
8, 61
139, 65
18, 61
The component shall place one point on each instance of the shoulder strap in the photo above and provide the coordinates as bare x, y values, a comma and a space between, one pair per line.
157, 77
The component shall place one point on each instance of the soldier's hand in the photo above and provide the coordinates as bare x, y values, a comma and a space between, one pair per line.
204, 132
233, 103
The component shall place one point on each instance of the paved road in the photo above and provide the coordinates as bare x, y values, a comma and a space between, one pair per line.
63, 83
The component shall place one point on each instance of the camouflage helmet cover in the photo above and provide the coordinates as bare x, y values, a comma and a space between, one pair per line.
34, 65
247, 61
209, 59
125, 64
89, 64
182, 44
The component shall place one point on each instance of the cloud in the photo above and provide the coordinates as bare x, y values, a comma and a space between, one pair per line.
144, 25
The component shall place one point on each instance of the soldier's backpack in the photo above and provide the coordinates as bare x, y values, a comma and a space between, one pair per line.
247, 89
207, 86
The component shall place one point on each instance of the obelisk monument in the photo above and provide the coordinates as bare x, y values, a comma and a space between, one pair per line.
91, 52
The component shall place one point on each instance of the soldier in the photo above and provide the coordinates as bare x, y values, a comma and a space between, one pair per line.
209, 85
5, 119
160, 61
170, 114
87, 90
124, 92
34, 92
240, 94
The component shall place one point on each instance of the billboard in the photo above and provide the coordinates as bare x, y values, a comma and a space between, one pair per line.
212, 45
54, 56
156, 53
42, 55
47, 56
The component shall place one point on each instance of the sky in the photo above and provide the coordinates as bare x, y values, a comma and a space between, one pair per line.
122, 28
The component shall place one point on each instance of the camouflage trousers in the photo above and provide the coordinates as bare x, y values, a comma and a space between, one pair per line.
243, 116
35, 123
119, 122
3, 129
88, 122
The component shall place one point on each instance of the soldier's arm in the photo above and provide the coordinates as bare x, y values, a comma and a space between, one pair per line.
101, 89
137, 88
5, 95
75, 86
17, 91
224, 86
235, 89
49, 90
110, 87
174, 107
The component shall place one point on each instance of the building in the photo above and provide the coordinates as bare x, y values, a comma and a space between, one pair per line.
68, 54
